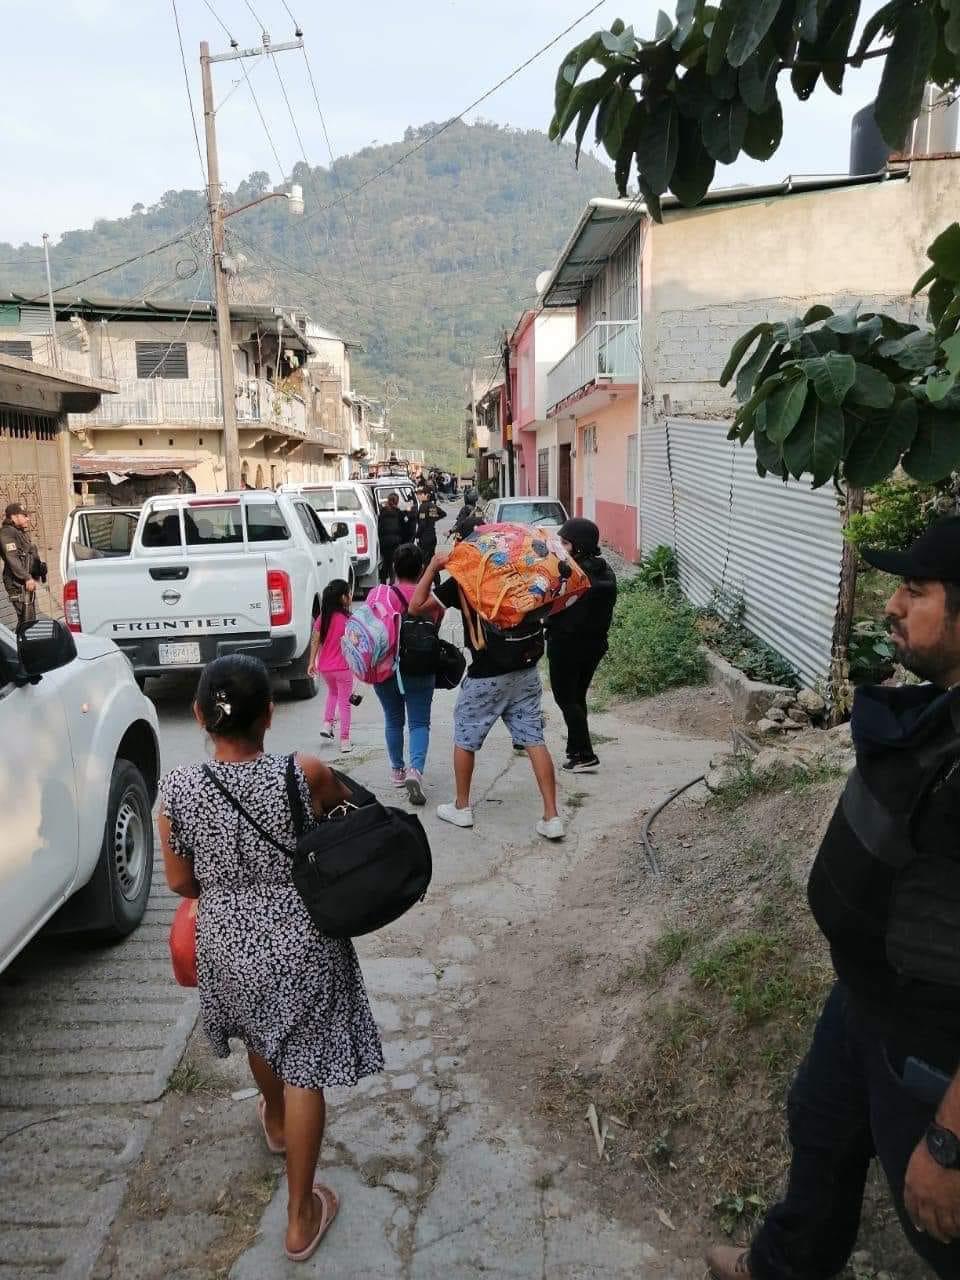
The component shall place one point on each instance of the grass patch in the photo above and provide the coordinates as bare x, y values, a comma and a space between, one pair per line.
747, 784
756, 973
187, 1077
654, 644
669, 949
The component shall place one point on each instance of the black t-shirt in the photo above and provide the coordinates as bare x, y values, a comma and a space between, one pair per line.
481, 668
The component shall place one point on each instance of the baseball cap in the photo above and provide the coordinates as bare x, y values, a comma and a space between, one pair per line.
935, 555
15, 509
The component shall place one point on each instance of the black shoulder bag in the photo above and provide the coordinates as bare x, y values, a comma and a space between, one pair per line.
358, 868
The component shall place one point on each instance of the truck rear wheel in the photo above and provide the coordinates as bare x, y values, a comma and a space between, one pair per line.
126, 855
302, 686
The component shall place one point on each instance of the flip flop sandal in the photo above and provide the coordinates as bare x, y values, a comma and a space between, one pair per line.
330, 1205
275, 1148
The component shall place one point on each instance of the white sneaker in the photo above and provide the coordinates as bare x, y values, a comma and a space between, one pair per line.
458, 817
345, 748
551, 829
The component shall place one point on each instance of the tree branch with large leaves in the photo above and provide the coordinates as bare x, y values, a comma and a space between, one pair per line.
841, 397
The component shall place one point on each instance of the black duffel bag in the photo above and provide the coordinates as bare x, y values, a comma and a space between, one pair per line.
451, 664
362, 866
358, 868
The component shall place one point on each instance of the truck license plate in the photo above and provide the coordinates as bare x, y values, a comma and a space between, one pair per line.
177, 655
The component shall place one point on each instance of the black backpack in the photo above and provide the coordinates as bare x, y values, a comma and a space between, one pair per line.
358, 868
418, 643
508, 649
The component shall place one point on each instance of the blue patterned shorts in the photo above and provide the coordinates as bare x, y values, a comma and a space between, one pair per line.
516, 699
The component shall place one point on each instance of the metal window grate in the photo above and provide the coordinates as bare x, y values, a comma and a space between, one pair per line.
162, 360
22, 350
20, 424
543, 472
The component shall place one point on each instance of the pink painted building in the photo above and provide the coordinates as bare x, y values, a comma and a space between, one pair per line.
593, 388
542, 464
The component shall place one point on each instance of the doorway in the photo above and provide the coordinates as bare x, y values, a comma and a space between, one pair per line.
564, 477
588, 444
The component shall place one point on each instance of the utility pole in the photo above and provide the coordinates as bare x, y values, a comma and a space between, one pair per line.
54, 347
228, 390
508, 425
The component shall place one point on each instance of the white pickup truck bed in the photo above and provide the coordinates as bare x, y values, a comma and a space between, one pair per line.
206, 575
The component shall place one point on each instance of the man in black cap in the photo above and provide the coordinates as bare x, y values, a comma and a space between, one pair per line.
22, 566
881, 1077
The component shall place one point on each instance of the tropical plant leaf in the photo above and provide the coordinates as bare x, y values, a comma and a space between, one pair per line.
832, 375
951, 348
945, 253
808, 18
693, 93
695, 167
723, 84
915, 350
740, 349
617, 120
651, 198
756, 83
873, 26
819, 311
871, 388
924, 280
749, 371
815, 444
752, 22
719, 39
785, 407
764, 132
568, 74
769, 456
833, 40
723, 130
905, 70
942, 293
657, 142
939, 385
845, 322
864, 336
951, 28
879, 445
686, 20
935, 451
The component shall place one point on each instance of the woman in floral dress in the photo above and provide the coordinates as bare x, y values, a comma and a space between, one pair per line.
267, 976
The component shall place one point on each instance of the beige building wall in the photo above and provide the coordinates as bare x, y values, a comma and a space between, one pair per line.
711, 273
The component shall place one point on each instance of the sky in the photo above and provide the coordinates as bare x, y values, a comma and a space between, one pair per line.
97, 116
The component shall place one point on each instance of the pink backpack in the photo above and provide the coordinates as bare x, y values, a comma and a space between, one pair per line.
370, 639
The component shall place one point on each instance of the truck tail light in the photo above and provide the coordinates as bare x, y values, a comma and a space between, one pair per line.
71, 605
281, 598
362, 542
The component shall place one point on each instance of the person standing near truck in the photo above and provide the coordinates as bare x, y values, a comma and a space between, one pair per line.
394, 527
22, 567
429, 512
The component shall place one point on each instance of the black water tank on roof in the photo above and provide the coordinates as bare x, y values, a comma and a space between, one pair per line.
868, 151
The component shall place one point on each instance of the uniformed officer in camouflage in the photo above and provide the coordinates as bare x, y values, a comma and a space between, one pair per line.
22, 567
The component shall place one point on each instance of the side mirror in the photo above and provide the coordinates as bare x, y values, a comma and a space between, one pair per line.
44, 646
341, 529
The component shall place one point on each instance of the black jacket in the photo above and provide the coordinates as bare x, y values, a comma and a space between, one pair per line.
395, 526
588, 620
20, 556
885, 886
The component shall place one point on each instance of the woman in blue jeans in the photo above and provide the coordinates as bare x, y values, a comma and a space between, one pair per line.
410, 703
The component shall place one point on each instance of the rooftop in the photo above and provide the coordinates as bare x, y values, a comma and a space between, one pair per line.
604, 224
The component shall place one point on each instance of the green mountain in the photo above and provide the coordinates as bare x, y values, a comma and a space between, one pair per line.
425, 266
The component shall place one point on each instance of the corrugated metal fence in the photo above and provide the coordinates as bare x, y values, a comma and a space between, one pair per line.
779, 544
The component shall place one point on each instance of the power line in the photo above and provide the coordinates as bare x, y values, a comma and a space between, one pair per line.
186, 80
394, 164
229, 33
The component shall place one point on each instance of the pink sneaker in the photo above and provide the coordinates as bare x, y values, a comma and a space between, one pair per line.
398, 777
414, 786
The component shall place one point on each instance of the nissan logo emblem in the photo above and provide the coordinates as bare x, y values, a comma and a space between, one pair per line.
170, 597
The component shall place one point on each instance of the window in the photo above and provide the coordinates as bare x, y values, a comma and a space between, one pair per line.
543, 471
321, 499
307, 519
161, 529
633, 479
105, 533
533, 513
22, 350
265, 523
348, 500
212, 526
162, 360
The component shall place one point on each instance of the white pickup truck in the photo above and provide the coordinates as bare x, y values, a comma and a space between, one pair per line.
203, 575
79, 778
356, 504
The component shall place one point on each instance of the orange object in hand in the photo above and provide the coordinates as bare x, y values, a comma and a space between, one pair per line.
183, 943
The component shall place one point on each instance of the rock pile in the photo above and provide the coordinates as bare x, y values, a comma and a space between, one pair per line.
806, 752
791, 712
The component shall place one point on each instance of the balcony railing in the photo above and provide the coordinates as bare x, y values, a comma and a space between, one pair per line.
160, 401
607, 352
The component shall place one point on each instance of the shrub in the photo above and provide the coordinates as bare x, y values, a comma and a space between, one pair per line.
872, 654
721, 627
896, 513
654, 643
660, 571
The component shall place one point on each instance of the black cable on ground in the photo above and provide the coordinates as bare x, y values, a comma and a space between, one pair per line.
648, 846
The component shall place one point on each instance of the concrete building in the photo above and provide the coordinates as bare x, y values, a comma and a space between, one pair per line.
544, 445
592, 391
162, 431
35, 401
